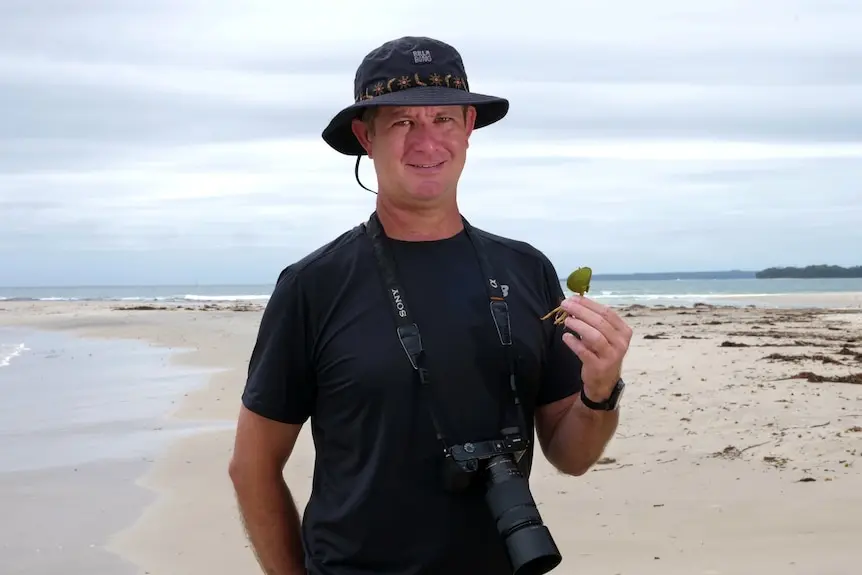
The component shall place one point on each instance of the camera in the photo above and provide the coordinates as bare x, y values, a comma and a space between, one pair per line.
529, 543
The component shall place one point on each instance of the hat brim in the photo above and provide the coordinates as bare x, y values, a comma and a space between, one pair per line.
339, 133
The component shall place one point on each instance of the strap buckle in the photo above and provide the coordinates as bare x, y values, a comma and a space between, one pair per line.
500, 314
411, 341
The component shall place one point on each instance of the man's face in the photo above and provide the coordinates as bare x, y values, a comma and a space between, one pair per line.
418, 152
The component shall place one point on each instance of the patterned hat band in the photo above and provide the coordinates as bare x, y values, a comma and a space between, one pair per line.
404, 82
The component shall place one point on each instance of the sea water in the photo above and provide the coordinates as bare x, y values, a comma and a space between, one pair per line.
613, 292
9, 351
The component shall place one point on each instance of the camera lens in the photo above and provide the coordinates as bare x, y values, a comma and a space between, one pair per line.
531, 548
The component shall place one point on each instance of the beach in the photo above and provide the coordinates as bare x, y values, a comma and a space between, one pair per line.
739, 449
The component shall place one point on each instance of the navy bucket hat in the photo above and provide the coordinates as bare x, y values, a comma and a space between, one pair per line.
410, 71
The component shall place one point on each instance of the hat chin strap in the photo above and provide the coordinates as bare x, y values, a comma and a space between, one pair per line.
356, 173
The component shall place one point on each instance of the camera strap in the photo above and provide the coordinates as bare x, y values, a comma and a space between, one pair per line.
408, 330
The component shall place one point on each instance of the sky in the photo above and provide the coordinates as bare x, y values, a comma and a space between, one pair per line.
178, 141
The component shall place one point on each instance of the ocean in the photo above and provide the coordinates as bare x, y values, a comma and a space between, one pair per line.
612, 292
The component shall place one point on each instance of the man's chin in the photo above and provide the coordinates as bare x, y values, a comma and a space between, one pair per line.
428, 191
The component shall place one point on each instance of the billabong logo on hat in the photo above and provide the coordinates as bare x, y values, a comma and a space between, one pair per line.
402, 72
422, 56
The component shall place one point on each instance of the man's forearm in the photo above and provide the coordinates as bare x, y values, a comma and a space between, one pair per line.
580, 438
272, 523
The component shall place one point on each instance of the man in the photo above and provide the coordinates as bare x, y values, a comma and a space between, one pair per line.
328, 350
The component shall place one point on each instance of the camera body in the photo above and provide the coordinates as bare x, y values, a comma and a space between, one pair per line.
468, 461
494, 462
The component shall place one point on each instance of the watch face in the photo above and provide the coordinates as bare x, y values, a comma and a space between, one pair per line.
619, 397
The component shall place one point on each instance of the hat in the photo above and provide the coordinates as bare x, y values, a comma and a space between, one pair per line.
410, 71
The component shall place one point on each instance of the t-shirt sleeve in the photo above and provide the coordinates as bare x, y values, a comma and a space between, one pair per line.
280, 383
561, 376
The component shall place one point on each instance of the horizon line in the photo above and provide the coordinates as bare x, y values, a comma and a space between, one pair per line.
245, 284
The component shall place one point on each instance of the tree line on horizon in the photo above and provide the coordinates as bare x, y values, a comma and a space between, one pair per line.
807, 272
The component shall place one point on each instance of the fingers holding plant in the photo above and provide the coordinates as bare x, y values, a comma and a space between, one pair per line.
577, 282
601, 337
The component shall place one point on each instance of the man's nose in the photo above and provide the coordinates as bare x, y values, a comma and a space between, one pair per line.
424, 136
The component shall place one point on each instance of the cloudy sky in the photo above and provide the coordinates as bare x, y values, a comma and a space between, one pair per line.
178, 141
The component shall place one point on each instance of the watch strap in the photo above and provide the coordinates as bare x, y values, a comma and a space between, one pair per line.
608, 404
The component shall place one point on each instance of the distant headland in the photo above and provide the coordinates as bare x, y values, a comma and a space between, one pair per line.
816, 271
707, 275
807, 272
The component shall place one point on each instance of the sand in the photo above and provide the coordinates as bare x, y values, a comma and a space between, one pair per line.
723, 464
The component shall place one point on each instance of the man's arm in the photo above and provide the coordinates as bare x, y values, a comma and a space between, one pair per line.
269, 514
573, 436
278, 398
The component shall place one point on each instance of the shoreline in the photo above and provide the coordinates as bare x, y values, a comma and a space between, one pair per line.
191, 524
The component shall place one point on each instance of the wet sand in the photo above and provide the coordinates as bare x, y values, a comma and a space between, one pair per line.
725, 461
81, 420
56, 520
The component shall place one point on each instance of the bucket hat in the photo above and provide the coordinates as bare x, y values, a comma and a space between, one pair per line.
410, 71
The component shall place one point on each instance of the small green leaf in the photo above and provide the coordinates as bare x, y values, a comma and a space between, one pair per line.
579, 280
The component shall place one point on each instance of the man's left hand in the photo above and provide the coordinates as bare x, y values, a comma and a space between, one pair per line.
604, 342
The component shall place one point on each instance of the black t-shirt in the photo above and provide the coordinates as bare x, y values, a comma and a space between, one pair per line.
327, 350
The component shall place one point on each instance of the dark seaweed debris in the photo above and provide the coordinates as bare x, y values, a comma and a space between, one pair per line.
812, 377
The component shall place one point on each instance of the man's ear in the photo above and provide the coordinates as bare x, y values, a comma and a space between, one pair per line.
360, 130
469, 122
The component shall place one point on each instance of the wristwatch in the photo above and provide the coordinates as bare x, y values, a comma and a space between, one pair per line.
611, 403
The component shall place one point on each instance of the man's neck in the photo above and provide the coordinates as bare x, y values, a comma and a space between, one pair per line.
418, 225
